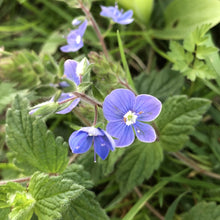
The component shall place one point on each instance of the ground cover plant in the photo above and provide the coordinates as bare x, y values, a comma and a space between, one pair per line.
109, 110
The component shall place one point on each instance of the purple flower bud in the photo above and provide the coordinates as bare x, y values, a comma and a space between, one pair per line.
117, 15
80, 141
124, 112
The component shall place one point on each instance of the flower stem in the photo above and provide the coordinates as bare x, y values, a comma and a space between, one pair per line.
88, 99
96, 115
96, 28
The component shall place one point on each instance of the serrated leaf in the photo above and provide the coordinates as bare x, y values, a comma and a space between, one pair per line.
177, 120
161, 84
35, 146
202, 51
22, 206
203, 211
183, 16
7, 191
85, 207
102, 168
52, 194
7, 94
76, 173
138, 164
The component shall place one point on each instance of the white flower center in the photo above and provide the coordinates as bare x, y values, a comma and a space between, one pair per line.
93, 132
130, 118
78, 39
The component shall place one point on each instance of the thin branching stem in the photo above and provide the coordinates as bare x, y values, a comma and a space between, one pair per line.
95, 26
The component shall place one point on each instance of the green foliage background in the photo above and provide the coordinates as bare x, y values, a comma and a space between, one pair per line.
172, 55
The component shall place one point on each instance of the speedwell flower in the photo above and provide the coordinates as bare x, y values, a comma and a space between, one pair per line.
74, 39
117, 15
124, 112
80, 141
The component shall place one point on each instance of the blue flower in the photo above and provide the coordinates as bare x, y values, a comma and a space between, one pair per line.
80, 141
117, 15
124, 112
74, 39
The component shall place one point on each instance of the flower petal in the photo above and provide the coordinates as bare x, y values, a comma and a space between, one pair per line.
107, 11
118, 103
80, 142
82, 28
123, 133
110, 139
102, 146
145, 132
70, 71
65, 96
126, 18
147, 107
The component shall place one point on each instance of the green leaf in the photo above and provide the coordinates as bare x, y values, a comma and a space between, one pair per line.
124, 61
136, 208
177, 120
76, 173
35, 147
138, 164
183, 16
85, 207
102, 168
51, 44
172, 208
7, 94
161, 84
7, 191
23, 206
52, 194
4, 213
203, 211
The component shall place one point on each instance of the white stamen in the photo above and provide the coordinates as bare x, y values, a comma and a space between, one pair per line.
138, 131
78, 39
130, 118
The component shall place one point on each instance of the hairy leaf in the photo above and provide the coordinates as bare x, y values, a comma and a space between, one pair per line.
203, 211
7, 94
35, 147
8, 190
76, 173
23, 206
52, 194
177, 119
85, 207
138, 164
160, 84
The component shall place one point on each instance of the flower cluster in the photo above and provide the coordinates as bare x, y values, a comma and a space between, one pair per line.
75, 37
124, 111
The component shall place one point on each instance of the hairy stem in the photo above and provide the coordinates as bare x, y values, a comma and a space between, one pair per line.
88, 99
96, 115
96, 28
